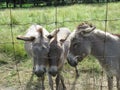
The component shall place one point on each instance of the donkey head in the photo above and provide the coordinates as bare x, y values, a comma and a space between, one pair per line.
40, 49
80, 44
40, 53
55, 52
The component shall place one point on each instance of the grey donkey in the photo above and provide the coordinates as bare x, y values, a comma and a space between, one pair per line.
86, 39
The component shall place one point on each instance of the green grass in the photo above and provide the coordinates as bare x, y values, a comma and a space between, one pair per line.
68, 16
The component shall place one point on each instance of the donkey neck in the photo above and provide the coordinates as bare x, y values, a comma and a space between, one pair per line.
102, 42
105, 35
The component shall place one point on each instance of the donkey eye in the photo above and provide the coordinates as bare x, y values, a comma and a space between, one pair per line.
43, 47
75, 45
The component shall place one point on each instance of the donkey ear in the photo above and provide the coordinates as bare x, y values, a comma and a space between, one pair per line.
49, 36
62, 41
40, 31
87, 30
25, 38
55, 34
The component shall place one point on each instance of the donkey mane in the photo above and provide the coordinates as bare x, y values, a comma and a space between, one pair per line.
117, 35
107, 35
84, 25
98, 32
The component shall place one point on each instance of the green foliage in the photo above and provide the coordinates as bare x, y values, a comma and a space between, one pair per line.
13, 20
67, 16
31, 3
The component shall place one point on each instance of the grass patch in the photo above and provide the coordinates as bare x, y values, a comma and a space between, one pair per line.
67, 16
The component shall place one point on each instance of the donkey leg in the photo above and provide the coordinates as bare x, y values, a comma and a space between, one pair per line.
30, 81
43, 78
50, 82
62, 81
57, 82
77, 73
118, 83
110, 83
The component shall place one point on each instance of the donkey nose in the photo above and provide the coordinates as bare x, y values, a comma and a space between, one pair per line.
53, 70
40, 71
72, 62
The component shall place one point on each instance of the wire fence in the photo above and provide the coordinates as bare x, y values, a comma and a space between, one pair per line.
89, 79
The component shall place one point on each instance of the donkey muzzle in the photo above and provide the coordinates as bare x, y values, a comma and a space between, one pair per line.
53, 70
39, 71
72, 60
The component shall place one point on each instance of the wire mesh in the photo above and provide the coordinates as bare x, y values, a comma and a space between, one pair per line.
88, 81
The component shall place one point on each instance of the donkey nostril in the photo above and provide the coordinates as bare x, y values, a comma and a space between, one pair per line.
44, 69
42, 73
53, 73
36, 73
49, 72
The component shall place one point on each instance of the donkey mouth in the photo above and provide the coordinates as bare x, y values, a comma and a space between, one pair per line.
53, 73
72, 61
79, 58
39, 74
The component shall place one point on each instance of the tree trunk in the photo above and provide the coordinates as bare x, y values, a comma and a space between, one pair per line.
20, 2
7, 3
14, 2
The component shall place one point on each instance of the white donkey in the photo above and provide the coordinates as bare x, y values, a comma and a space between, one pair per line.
37, 46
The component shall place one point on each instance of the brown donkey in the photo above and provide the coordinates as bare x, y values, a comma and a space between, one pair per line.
57, 54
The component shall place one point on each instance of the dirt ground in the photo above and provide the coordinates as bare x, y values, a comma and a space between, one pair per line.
21, 79
86, 81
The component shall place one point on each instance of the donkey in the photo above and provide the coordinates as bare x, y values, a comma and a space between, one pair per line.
86, 39
57, 54
37, 46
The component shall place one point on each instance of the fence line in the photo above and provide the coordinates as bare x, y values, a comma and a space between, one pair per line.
56, 23
105, 38
14, 53
41, 23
